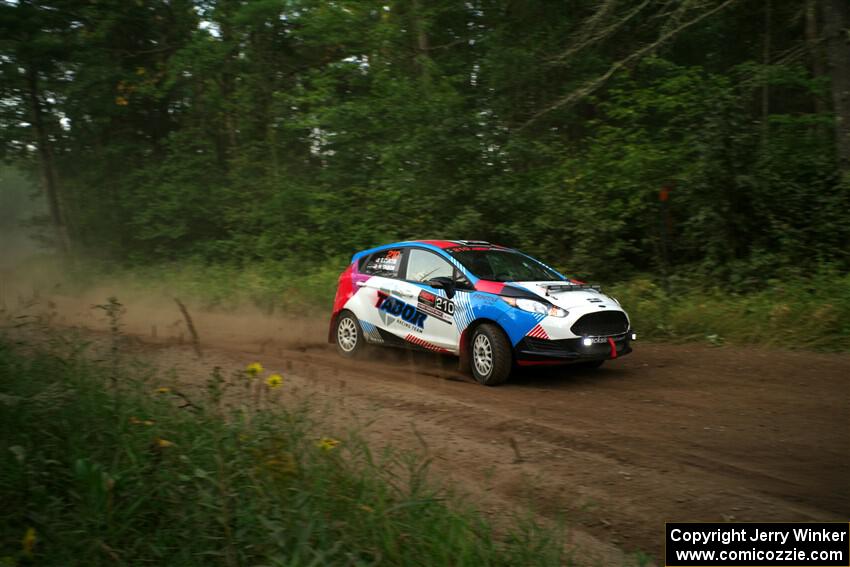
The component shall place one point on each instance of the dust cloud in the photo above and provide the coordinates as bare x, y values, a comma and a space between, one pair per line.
155, 317
20, 205
33, 282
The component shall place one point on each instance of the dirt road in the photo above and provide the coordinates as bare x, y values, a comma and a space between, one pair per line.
668, 433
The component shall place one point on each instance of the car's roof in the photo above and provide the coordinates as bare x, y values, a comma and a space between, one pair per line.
447, 247
443, 244
456, 243
438, 244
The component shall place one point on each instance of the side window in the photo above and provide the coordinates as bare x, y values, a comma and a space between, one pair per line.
385, 263
423, 265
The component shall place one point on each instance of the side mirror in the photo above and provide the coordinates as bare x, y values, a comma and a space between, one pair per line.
444, 283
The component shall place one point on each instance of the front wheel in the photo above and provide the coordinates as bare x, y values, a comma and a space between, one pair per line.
349, 335
490, 355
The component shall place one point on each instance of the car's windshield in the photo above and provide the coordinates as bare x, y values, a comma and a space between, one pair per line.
504, 266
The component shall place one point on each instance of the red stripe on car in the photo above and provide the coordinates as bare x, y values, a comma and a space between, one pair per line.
538, 333
424, 344
489, 287
613, 347
439, 243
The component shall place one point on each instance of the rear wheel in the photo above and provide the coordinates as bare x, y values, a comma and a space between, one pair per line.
490, 355
349, 335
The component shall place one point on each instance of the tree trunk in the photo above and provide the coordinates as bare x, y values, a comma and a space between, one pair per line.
815, 51
225, 15
837, 39
765, 89
49, 179
422, 43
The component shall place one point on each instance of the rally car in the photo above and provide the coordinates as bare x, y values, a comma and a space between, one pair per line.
492, 306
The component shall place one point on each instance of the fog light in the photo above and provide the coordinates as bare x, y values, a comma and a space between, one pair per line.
587, 342
634, 336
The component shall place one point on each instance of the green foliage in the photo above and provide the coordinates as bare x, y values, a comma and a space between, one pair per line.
299, 131
793, 312
143, 481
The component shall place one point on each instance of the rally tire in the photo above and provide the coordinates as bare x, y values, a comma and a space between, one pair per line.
490, 355
348, 335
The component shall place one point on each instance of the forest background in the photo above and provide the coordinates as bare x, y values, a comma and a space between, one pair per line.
693, 154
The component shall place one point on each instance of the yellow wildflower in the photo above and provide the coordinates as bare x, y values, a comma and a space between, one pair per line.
28, 543
162, 442
254, 368
274, 380
121, 101
163, 390
327, 444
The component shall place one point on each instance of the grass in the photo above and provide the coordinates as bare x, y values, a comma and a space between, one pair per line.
101, 467
797, 313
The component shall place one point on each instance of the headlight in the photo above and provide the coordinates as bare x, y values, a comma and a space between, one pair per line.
533, 306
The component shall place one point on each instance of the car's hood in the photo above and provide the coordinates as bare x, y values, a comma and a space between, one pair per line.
571, 297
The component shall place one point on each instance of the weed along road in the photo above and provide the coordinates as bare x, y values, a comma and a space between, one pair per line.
670, 433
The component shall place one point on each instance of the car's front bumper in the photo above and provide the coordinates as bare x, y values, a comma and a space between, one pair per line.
530, 351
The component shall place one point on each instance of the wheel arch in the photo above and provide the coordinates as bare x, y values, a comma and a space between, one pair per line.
464, 346
334, 318
332, 326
